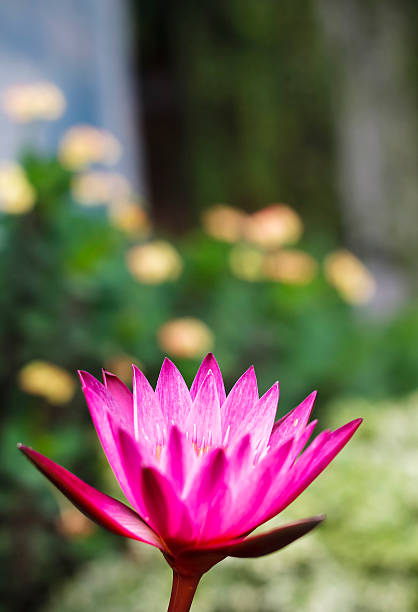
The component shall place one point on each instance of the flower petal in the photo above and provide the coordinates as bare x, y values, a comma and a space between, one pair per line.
209, 475
119, 390
149, 422
259, 420
209, 363
99, 507
240, 401
267, 543
293, 422
204, 421
166, 513
179, 459
122, 413
173, 394
311, 463
105, 410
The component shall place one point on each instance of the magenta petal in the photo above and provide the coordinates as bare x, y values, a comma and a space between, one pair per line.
104, 410
178, 459
312, 462
149, 422
211, 473
173, 394
122, 413
209, 363
267, 543
166, 513
99, 507
239, 458
293, 422
131, 460
240, 401
259, 419
119, 390
204, 421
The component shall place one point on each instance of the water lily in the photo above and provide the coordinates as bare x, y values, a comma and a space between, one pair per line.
200, 470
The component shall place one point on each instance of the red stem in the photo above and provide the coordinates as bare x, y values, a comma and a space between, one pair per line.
182, 592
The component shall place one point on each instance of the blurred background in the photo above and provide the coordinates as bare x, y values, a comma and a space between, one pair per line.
234, 176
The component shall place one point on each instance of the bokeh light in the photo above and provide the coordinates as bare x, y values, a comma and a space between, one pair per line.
154, 263
37, 101
17, 195
186, 338
350, 277
47, 380
83, 145
274, 226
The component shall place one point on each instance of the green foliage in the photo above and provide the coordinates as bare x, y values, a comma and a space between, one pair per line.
363, 558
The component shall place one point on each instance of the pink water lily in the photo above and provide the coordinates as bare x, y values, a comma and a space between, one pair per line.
200, 470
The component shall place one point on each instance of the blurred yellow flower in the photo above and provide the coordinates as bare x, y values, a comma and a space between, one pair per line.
33, 101
155, 262
83, 145
185, 338
224, 222
99, 187
121, 366
129, 217
246, 262
273, 226
47, 380
350, 277
17, 195
290, 266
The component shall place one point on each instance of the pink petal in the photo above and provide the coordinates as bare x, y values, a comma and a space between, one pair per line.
122, 413
293, 422
240, 401
131, 461
217, 510
119, 390
104, 410
209, 476
101, 508
259, 419
173, 394
204, 421
239, 458
149, 422
267, 543
311, 463
166, 513
253, 494
179, 459
209, 363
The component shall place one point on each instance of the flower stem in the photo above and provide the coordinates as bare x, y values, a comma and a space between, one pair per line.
182, 592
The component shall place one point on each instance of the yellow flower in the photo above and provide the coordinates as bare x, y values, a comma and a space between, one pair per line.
350, 277
224, 222
273, 226
129, 217
33, 101
185, 338
83, 145
99, 187
246, 262
155, 262
47, 380
290, 266
17, 195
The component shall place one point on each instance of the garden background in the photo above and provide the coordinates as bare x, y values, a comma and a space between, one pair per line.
234, 176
